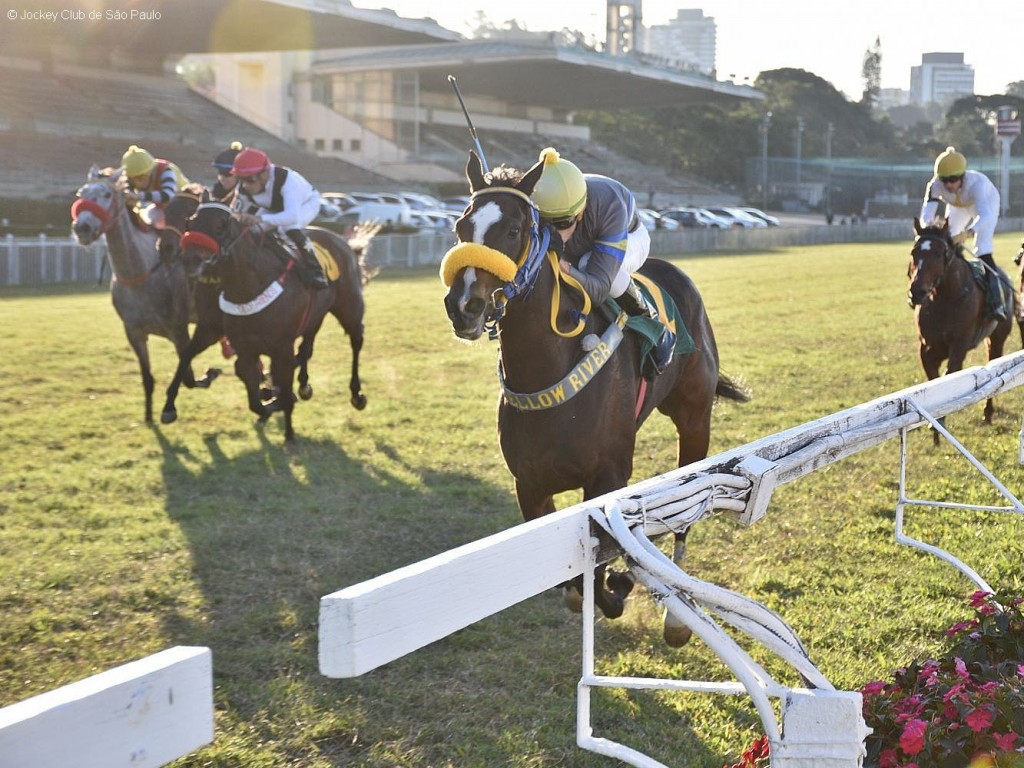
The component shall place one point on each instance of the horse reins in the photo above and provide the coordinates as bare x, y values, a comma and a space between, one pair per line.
532, 258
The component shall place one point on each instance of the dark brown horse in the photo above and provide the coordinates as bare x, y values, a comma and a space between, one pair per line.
205, 290
585, 440
267, 308
150, 295
949, 306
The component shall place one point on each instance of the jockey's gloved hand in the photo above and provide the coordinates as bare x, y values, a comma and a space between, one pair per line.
556, 243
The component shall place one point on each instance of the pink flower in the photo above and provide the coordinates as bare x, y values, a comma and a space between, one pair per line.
979, 598
961, 669
979, 719
887, 758
912, 738
1005, 741
961, 626
873, 689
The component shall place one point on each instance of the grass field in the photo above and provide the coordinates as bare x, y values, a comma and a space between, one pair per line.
119, 539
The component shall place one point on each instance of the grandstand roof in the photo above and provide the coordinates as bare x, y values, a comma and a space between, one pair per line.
542, 73
150, 32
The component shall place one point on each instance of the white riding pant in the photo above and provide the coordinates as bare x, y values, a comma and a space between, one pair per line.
638, 248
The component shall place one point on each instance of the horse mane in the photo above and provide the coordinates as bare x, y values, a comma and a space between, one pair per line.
505, 176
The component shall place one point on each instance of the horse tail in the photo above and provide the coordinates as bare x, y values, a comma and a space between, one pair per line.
359, 242
730, 390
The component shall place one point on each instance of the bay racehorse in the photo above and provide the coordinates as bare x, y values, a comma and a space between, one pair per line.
150, 295
267, 307
502, 279
949, 306
205, 289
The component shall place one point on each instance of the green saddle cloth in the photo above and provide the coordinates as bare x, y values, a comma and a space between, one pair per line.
649, 330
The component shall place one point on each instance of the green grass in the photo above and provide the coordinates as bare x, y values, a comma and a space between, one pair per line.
119, 539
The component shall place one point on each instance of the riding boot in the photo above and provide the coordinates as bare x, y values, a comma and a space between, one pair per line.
634, 303
309, 267
994, 308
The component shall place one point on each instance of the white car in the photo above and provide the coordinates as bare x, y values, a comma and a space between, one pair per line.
771, 221
739, 218
653, 220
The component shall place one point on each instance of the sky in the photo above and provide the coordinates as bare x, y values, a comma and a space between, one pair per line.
828, 39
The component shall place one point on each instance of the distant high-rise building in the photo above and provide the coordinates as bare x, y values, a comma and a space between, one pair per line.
689, 39
624, 22
941, 78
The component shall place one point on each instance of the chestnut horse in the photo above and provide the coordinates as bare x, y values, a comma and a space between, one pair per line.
266, 307
586, 440
949, 306
151, 295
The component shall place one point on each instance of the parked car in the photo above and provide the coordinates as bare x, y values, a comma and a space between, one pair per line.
696, 217
420, 202
771, 221
739, 218
443, 221
342, 200
457, 204
653, 220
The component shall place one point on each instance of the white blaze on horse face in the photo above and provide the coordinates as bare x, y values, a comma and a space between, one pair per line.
468, 278
482, 219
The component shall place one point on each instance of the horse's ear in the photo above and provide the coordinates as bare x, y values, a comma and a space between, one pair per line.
475, 172
204, 197
530, 178
917, 225
94, 173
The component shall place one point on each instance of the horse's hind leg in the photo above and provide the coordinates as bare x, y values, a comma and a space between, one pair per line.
350, 316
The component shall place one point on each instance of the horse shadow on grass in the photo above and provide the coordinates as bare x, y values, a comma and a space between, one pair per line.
271, 531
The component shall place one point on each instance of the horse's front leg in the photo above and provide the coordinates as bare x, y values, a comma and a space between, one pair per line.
282, 371
203, 338
609, 593
930, 361
137, 340
675, 632
249, 370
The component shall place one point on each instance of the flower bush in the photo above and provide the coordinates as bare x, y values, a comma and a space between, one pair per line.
966, 708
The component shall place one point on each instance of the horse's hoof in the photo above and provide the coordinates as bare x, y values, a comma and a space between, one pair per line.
676, 636
305, 391
620, 584
359, 401
573, 599
168, 417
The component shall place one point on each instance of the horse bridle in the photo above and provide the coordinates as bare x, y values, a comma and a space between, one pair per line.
948, 255
88, 205
207, 242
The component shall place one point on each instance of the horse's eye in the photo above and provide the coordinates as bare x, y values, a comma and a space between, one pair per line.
513, 232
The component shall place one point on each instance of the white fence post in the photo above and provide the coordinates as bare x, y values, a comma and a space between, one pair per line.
369, 624
140, 715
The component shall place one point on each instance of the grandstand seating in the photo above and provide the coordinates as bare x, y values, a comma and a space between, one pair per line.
54, 125
56, 121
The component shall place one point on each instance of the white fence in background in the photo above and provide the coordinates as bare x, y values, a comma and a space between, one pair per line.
140, 715
42, 260
377, 621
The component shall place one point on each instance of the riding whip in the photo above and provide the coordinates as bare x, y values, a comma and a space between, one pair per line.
469, 122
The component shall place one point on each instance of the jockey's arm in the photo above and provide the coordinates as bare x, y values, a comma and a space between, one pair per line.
597, 275
167, 188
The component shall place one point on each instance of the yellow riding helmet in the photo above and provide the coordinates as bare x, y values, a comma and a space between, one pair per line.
950, 163
561, 192
137, 162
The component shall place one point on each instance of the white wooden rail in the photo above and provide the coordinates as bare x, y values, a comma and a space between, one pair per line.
377, 621
140, 715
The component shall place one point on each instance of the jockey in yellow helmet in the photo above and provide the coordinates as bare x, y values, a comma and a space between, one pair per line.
150, 183
602, 238
972, 208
